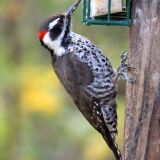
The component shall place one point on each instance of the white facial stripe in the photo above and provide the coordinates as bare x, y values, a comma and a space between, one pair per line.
54, 45
52, 24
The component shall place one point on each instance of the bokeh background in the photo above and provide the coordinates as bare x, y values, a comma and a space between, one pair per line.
38, 120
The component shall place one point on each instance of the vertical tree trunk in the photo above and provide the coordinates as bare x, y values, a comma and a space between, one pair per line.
142, 124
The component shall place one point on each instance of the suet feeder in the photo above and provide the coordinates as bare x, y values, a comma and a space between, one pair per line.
107, 12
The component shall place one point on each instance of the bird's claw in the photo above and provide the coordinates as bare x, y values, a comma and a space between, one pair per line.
123, 68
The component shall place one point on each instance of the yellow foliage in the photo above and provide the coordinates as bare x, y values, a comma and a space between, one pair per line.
96, 149
40, 91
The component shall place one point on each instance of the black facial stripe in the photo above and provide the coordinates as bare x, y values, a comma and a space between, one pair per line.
66, 39
54, 57
55, 31
42, 43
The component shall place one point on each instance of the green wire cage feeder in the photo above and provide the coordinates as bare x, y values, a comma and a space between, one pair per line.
114, 12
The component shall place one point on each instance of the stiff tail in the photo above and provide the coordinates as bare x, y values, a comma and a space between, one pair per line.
113, 146
111, 142
107, 124
117, 153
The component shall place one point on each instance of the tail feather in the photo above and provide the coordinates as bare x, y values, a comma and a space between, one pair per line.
106, 123
111, 143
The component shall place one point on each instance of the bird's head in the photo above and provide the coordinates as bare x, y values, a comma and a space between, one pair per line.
55, 30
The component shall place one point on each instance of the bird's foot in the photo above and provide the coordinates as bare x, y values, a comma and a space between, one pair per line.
123, 68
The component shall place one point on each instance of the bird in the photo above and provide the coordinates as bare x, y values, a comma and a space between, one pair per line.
85, 73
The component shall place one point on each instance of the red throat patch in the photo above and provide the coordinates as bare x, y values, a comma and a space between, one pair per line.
41, 34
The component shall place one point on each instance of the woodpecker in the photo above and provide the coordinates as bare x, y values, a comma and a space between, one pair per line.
86, 74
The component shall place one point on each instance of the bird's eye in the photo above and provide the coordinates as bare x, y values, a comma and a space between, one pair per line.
61, 21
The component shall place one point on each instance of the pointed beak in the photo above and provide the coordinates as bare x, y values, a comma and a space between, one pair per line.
72, 8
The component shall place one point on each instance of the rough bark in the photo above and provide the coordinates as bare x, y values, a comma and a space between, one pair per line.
142, 123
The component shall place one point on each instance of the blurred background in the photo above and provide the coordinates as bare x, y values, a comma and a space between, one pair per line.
38, 120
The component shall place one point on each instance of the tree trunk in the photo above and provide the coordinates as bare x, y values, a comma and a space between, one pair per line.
142, 123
